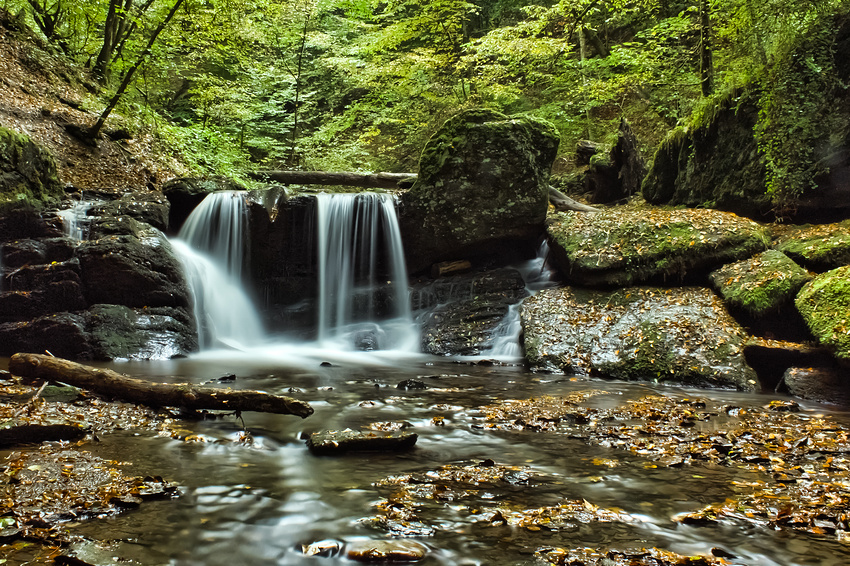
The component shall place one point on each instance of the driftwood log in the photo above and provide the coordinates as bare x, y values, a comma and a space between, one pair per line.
386, 181
376, 180
118, 386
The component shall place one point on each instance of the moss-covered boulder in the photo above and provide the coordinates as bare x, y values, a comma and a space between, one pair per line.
761, 284
482, 187
28, 175
825, 305
681, 335
628, 246
819, 247
714, 162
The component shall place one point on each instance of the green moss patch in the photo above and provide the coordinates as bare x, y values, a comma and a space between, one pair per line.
825, 305
761, 284
681, 335
28, 176
627, 246
819, 247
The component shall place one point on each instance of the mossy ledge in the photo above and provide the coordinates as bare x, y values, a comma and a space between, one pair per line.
28, 174
825, 305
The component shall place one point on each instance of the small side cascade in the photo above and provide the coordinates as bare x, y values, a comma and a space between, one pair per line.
210, 245
363, 295
536, 276
75, 220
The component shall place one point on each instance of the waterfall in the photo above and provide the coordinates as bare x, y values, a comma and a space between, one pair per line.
363, 294
536, 276
75, 221
210, 245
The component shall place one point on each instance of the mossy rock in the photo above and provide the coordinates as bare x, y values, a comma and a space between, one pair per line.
28, 175
679, 335
825, 305
819, 247
762, 284
118, 332
627, 246
714, 162
483, 181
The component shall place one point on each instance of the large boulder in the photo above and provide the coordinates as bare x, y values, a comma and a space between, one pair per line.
617, 173
482, 188
681, 335
628, 246
138, 269
150, 207
149, 333
825, 305
28, 175
819, 247
62, 334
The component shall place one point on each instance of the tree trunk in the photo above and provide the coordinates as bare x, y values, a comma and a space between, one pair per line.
706, 59
112, 384
562, 202
376, 180
95, 130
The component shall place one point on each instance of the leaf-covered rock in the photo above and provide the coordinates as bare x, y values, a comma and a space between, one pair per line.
628, 246
762, 284
678, 335
825, 305
27, 173
818, 247
483, 183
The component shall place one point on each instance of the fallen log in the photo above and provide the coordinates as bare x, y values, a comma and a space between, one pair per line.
118, 386
562, 202
375, 180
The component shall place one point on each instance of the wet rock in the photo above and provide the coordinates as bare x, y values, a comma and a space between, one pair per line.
482, 188
185, 193
771, 358
18, 431
141, 334
819, 247
23, 252
762, 284
459, 313
62, 334
342, 441
411, 384
821, 384
678, 335
386, 551
134, 270
321, 548
825, 305
150, 207
626, 246
34, 291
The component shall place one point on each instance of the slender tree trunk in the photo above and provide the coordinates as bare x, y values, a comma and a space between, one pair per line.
582, 42
95, 131
298, 71
706, 60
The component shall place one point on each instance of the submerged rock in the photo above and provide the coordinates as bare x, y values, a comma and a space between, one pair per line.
818, 247
482, 187
677, 335
386, 551
628, 246
825, 305
762, 284
342, 441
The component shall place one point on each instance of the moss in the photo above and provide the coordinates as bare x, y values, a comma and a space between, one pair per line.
825, 305
761, 284
28, 174
819, 247
620, 247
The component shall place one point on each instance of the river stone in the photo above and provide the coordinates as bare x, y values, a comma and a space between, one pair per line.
135, 270
821, 384
824, 303
627, 246
681, 335
386, 551
28, 174
819, 247
141, 334
762, 284
482, 187
342, 441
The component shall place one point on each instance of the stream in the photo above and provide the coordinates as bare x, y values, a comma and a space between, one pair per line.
256, 498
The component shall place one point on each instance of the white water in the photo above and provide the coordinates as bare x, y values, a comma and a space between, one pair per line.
210, 246
74, 219
506, 336
363, 294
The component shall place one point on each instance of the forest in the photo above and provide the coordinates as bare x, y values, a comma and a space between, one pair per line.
360, 85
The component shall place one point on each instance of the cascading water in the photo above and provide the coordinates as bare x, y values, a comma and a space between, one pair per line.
74, 219
506, 336
363, 294
210, 246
